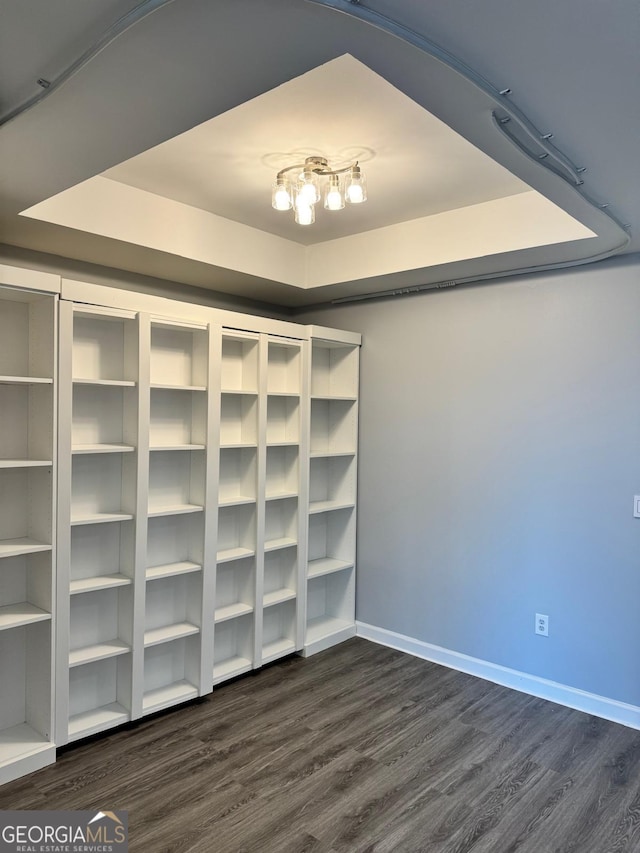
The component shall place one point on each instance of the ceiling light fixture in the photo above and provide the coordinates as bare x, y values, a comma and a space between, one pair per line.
312, 180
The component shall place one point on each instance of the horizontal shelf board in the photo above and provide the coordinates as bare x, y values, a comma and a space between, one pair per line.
113, 383
84, 449
25, 380
283, 443
231, 611
97, 720
277, 648
159, 386
99, 651
238, 500
95, 584
229, 554
329, 506
25, 463
239, 391
172, 447
24, 613
20, 741
324, 454
168, 633
231, 667
23, 545
325, 626
100, 518
283, 393
278, 596
281, 542
173, 509
345, 398
326, 566
279, 496
165, 697
169, 570
238, 445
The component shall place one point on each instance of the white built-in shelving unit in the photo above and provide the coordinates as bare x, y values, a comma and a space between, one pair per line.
331, 534
179, 511
177, 505
99, 434
280, 579
236, 578
27, 515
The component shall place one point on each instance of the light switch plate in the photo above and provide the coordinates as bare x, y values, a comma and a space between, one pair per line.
636, 506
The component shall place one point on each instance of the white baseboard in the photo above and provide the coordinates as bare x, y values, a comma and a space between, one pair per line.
580, 700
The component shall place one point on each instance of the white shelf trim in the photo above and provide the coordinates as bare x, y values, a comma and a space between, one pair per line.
160, 386
99, 651
278, 596
343, 398
278, 544
168, 570
90, 449
100, 518
97, 583
237, 500
25, 380
173, 509
168, 633
96, 720
229, 554
236, 665
277, 648
329, 506
173, 447
24, 613
26, 463
324, 454
22, 545
113, 383
326, 566
165, 697
232, 611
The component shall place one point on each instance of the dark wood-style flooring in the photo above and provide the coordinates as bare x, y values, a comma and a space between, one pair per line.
358, 749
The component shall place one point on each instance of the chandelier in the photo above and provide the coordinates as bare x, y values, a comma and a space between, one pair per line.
312, 180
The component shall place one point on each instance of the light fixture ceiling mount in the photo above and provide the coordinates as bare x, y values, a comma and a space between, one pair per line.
315, 178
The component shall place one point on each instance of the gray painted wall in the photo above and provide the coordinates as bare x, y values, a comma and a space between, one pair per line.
500, 452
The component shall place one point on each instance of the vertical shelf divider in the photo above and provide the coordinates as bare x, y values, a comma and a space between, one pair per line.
263, 364
210, 548
63, 602
141, 511
303, 502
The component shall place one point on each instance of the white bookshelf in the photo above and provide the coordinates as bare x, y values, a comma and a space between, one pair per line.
27, 541
206, 502
234, 608
99, 435
280, 567
331, 532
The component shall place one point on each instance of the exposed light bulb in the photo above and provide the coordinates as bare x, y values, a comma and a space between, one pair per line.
333, 199
305, 214
356, 190
281, 195
308, 187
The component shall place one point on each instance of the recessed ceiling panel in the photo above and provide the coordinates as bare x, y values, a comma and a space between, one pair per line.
415, 164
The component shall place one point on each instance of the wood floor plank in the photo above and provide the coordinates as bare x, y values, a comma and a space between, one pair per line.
360, 749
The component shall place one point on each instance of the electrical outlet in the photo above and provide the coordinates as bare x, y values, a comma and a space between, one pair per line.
542, 624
